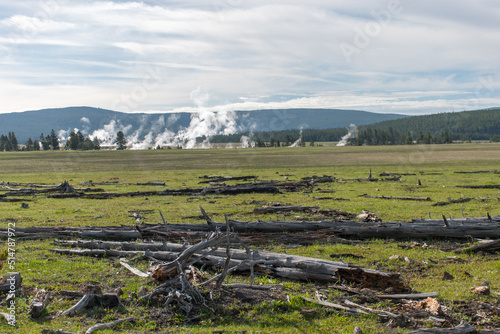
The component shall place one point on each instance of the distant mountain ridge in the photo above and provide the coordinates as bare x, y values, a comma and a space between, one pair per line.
30, 124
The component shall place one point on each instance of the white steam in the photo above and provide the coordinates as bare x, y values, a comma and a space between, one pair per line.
107, 135
298, 142
352, 132
204, 124
247, 142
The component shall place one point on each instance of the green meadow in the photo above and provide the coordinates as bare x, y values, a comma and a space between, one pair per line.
427, 171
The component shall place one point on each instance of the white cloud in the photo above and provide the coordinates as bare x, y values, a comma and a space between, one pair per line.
99, 52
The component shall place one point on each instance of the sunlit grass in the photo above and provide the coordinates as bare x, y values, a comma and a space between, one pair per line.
423, 270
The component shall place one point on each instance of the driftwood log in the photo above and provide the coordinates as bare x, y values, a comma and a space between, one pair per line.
462, 228
269, 263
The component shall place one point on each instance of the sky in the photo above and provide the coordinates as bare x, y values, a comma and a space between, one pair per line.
387, 56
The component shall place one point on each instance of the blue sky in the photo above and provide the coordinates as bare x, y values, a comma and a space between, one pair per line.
392, 56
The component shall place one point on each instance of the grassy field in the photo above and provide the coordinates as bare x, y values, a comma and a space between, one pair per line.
432, 165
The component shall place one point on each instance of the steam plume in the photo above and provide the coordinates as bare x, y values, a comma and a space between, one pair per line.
352, 131
298, 141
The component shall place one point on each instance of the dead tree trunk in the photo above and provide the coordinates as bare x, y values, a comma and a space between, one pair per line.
269, 263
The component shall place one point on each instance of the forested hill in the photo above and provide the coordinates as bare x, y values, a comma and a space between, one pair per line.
474, 125
425, 129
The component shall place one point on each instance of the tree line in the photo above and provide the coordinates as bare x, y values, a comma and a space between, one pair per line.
76, 141
363, 136
426, 129
9, 143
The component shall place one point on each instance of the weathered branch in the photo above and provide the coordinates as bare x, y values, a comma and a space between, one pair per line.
99, 327
463, 328
90, 300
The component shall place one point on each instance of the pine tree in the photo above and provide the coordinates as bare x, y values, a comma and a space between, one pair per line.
14, 146
97, 144
121, 141
36, 145
45, 141
54, 141
73, 142
4, 143
30, 145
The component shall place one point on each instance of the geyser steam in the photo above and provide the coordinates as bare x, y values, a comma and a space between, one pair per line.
352, 132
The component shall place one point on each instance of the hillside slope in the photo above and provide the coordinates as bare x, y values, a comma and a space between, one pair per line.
473, 124
89, 120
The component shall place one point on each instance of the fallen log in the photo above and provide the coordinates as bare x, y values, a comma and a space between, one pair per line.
409, 295
404, 198
462, 228
396, 174
453, 201
491, 246
478, 172
279, 265
164, 232
486, 186
13, 200
351, 310
63, 187
11, 283
218, 178
332, 198
319, 179
107, 195
98, 327
277, 209
151, 183
462, 328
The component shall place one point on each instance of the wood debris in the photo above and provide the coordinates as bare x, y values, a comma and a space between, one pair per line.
404, 198
453, 201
